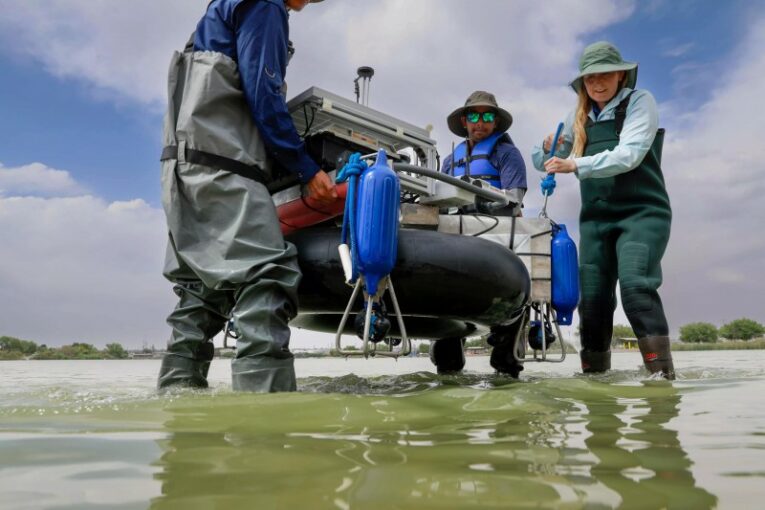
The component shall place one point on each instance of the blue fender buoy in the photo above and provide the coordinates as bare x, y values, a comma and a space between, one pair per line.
565, 275
377, 222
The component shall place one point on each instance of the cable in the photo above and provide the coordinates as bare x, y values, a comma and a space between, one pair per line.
308, 125
482, 232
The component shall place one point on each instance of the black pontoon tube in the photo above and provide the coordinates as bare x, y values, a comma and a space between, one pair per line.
489, 195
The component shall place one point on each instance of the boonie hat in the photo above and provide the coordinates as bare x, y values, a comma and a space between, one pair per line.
603, 57
479, 98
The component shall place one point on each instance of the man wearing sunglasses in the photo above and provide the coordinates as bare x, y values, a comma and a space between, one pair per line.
487, 153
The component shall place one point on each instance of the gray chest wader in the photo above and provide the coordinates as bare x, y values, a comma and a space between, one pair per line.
624, 223
226, 254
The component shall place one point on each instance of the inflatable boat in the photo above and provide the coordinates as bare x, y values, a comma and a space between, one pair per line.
458, 269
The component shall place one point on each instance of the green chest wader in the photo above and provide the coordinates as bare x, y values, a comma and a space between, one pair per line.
226, 254
624, 224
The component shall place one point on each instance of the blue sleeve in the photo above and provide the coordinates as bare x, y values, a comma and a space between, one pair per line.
262, 34
512, 168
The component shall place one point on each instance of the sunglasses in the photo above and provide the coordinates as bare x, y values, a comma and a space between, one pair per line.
487, 117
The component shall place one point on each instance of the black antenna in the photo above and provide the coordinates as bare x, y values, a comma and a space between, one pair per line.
365, 74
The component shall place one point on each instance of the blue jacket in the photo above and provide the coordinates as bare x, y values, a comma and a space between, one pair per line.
255, 34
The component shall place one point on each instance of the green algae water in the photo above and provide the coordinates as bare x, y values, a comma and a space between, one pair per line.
385, 434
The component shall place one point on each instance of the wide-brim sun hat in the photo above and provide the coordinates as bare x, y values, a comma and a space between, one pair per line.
479, 98
604, 57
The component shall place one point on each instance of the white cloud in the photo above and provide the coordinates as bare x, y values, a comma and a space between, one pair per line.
81, 269
713, 167
120, 48
38, 180
678, 50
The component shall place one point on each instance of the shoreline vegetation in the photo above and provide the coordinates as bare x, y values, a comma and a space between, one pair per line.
729, 345
14, 349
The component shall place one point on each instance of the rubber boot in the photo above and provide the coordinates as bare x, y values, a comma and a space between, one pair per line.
657, 355
595, 362
448, 355
502, 339
181, 371
504, 362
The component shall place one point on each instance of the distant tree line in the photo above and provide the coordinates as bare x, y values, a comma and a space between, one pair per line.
703, 332
14, 349
739, 329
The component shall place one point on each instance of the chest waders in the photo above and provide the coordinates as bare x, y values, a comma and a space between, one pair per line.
225, 254
624, 223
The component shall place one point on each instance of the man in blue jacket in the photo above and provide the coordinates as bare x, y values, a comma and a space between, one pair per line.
226, 123
487, 153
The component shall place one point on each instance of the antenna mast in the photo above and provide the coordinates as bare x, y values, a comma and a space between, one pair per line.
365, 74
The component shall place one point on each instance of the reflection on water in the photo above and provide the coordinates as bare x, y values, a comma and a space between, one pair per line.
84, 435
422, 443
640, 459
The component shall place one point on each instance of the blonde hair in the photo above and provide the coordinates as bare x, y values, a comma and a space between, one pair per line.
583, 107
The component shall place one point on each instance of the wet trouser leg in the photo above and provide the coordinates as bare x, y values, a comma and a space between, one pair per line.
640, 247
225, 231
199, 315
597, 276
630, 250
261, 314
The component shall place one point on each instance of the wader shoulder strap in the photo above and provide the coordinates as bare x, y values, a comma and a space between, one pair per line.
253, 172
621, 113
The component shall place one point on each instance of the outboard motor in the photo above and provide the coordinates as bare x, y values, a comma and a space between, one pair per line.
565, 275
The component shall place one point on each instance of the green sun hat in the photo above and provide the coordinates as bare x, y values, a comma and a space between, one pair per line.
604, 57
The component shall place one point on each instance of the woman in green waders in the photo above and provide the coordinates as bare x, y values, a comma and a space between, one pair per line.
614, 145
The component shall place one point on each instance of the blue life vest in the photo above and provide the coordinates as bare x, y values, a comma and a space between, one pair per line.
480, 166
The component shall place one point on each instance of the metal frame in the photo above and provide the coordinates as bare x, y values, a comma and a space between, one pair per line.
545, 312
406, 345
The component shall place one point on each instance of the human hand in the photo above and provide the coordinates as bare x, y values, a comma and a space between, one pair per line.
321, 188
547, 144
556, 165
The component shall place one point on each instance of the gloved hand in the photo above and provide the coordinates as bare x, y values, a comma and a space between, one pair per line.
548, 185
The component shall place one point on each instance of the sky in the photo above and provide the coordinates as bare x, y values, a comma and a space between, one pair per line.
83, 89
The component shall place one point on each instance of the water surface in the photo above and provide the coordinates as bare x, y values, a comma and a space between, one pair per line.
386, 434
